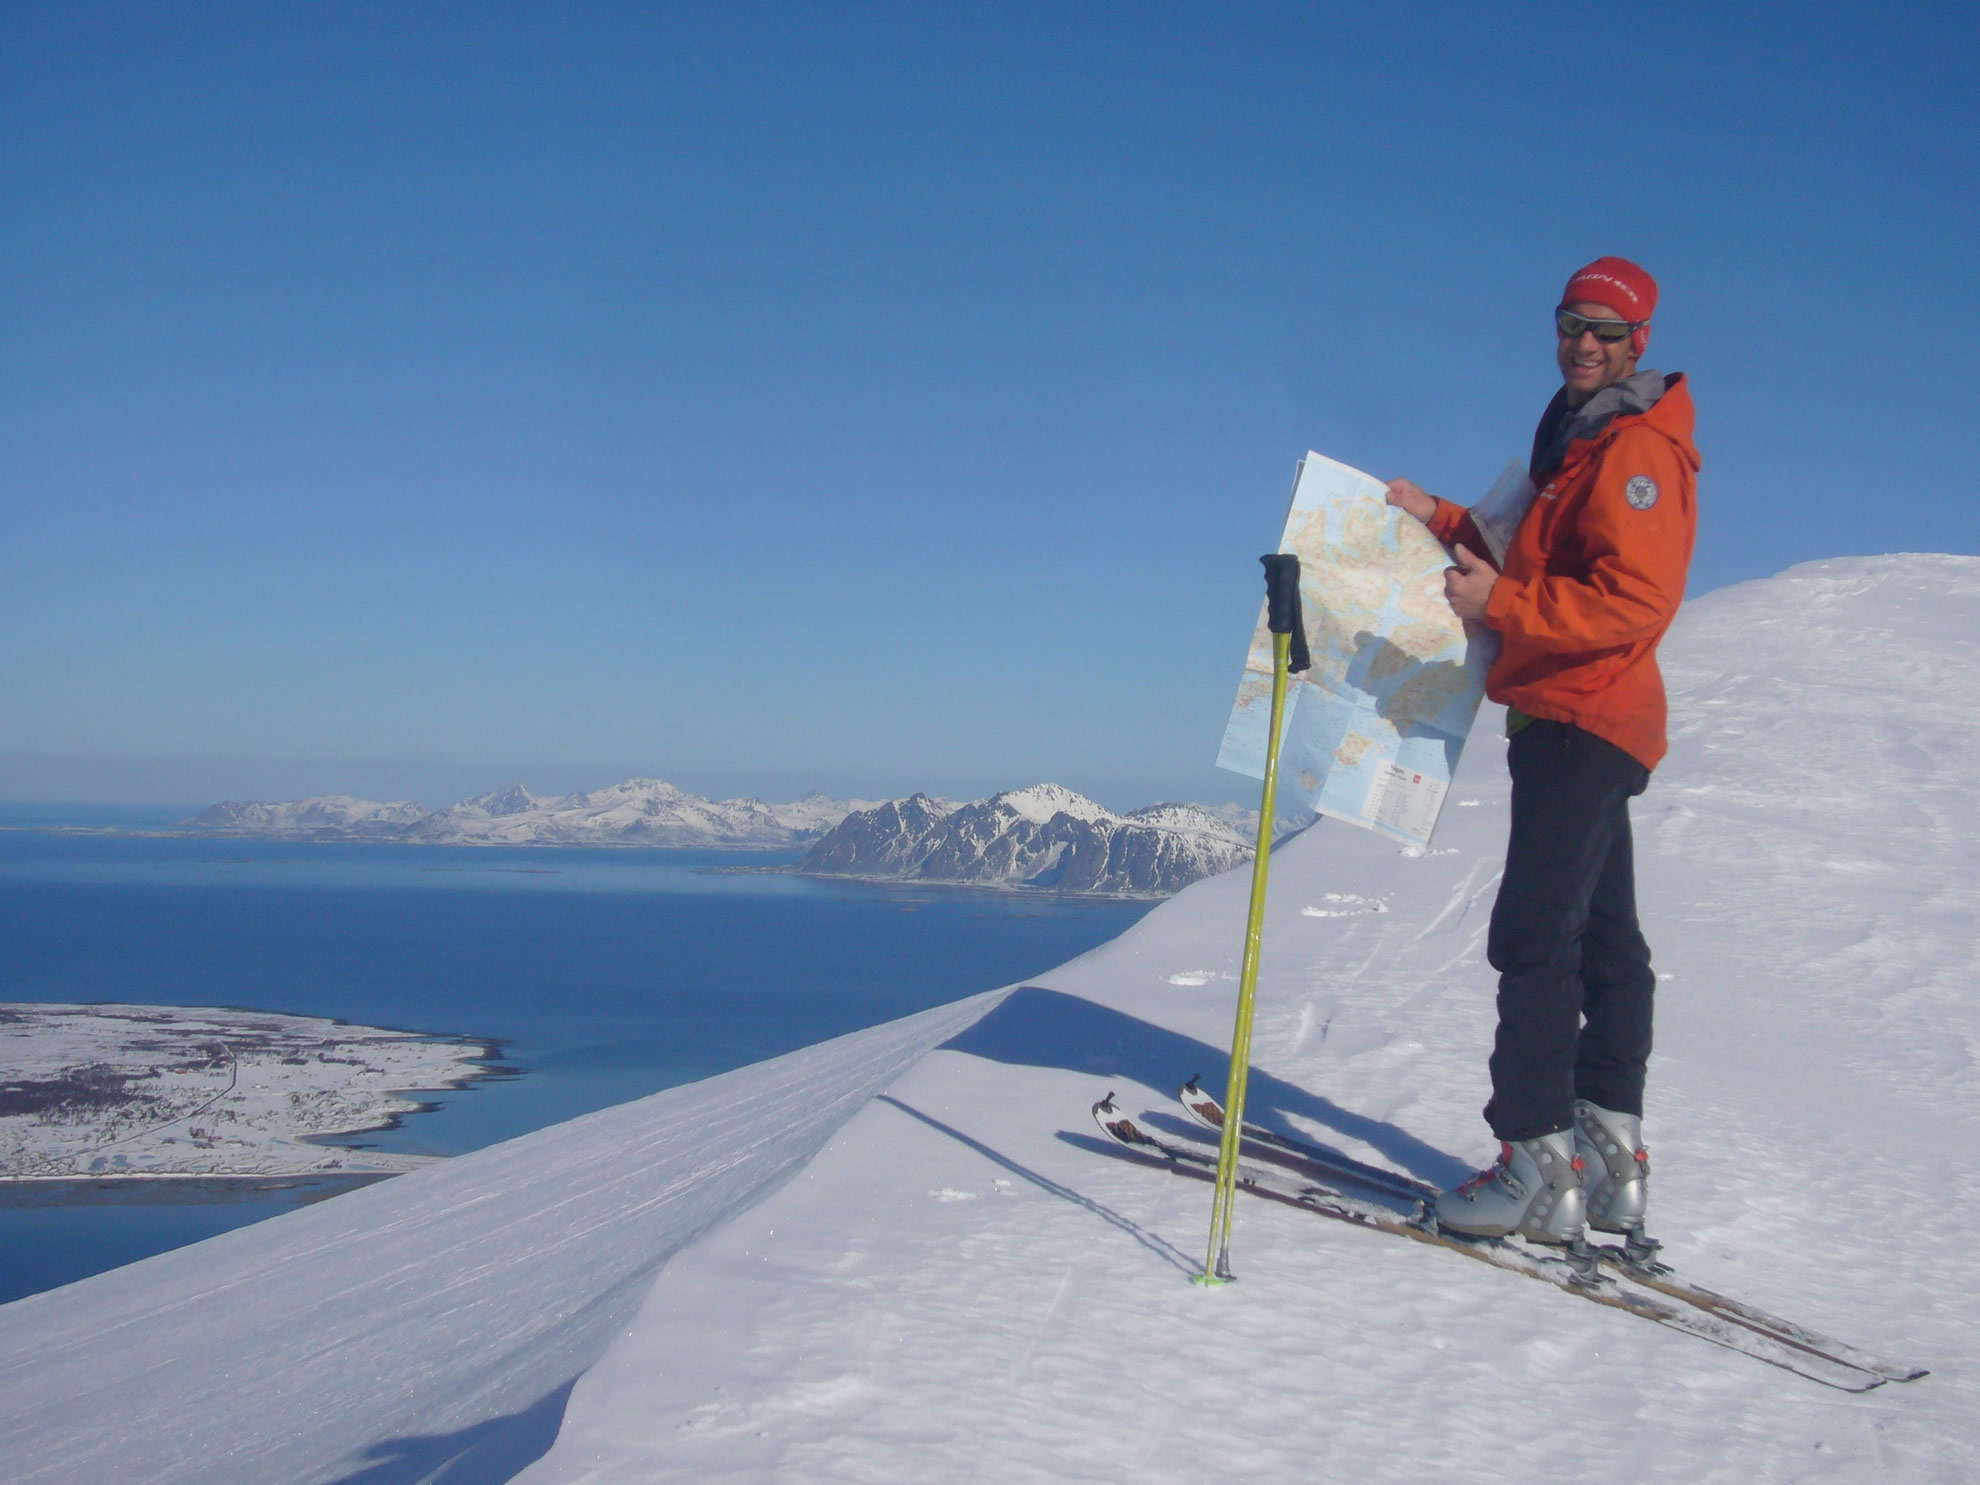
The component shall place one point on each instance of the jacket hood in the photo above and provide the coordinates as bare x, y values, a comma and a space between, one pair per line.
1673, 416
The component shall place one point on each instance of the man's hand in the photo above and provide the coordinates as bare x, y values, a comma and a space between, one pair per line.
1468, 585
1413, 498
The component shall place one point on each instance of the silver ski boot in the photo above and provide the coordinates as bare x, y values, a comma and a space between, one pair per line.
1615, 1169
1534, 1190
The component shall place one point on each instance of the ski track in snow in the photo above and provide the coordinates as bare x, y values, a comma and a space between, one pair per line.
778, 1275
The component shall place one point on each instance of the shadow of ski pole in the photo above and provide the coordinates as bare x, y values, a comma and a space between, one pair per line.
1159, 1246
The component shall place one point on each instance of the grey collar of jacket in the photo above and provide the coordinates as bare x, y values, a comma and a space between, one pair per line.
1561, 426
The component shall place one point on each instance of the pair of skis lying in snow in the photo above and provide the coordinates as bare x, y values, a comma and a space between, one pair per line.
1310, 1177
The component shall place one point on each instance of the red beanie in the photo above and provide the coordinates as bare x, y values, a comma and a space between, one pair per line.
1618, 284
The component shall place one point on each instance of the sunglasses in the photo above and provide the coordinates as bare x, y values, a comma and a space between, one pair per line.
1574, 326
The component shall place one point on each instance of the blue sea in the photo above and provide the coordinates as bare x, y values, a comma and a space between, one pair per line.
603, 975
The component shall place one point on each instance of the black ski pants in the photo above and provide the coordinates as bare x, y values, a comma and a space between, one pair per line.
1575, 985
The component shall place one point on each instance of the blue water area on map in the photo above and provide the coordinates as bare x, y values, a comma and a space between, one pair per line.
603, 975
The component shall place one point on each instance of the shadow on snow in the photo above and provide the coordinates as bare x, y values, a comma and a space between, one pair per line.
485, 1453
1031, 1027
1036, 1027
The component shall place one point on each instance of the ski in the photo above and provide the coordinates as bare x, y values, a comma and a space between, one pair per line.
1203, 1106
1661, 1277
1651, 1273
1611, 1289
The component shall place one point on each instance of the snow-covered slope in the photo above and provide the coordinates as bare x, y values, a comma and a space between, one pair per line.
1042, 837
638, 812
960, 1284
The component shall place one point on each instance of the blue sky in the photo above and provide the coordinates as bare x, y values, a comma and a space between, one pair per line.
408, 399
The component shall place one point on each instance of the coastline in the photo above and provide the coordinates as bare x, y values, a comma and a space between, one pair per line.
360, 838
1014, 889
108, 1092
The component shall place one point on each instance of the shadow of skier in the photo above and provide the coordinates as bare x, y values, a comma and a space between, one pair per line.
1037, 1027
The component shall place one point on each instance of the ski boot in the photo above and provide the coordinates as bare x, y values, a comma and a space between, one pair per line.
1534, 1191
1615, 1174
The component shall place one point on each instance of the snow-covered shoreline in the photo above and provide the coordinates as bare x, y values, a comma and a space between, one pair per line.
1013, 889
93, 1092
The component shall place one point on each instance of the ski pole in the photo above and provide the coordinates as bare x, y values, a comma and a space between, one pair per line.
1288, 629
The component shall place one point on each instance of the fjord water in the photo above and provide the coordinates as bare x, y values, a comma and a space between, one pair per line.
603, 975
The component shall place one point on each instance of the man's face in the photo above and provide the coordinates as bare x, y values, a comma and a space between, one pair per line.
1588, 363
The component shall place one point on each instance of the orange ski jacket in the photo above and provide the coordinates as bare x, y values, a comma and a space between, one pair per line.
1593, 577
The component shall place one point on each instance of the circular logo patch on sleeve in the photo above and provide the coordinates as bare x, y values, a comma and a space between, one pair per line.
1641, 492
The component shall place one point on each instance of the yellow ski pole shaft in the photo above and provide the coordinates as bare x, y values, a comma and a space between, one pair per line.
1282, 582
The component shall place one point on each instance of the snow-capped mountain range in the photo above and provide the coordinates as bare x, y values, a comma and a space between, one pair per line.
638, 812
1042, 837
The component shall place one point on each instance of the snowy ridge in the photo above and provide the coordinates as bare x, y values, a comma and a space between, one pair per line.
1245, 821
648, 812
1042, 803
638, 812
736, 1281
326, 814
1043, 837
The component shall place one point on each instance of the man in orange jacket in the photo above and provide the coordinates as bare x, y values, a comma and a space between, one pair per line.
1592, 577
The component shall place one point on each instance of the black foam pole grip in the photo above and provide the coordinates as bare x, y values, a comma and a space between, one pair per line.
1281, 592
1282, 606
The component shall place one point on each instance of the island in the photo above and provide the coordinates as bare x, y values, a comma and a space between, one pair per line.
98, 1091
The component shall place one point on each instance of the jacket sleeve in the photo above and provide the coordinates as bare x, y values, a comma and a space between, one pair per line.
1633, 558
1452, 524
